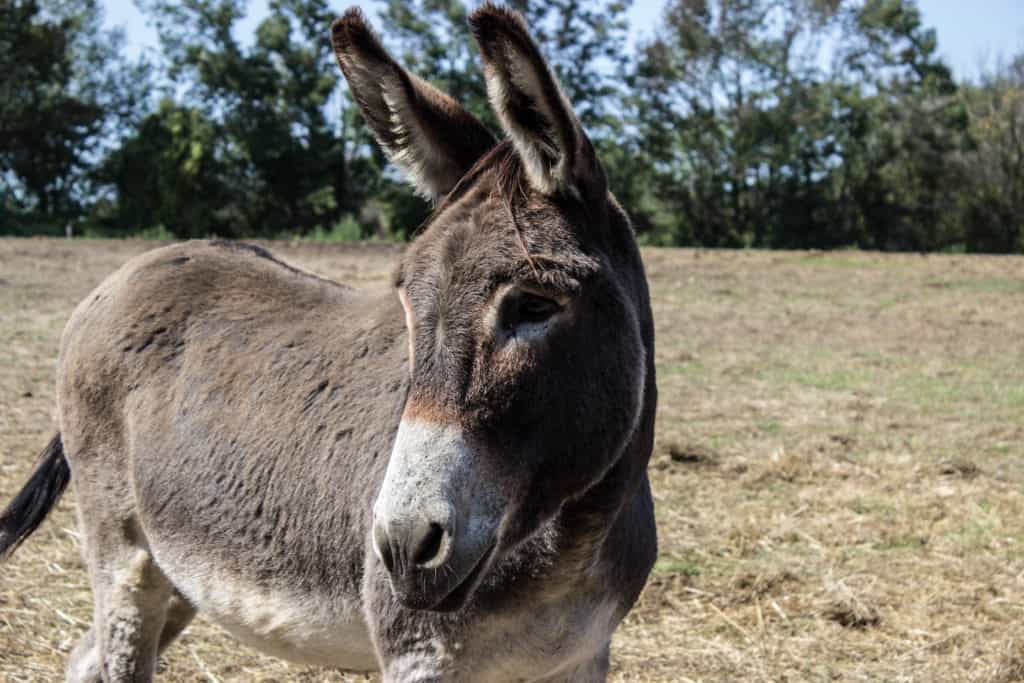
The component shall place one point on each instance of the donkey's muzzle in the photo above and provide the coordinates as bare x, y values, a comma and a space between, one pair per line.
417, 544
437, 516
425, 567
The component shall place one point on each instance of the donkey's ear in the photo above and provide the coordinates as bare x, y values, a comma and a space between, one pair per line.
526, 96
426, 133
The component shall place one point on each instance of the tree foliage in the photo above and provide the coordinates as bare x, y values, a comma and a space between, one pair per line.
990, 173
262, 115
65, 89
769, 123
799, 123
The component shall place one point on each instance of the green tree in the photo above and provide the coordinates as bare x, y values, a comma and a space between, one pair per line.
729, 117
169, 175
281, 153
798, 123
66, 92
991, 170
905, 123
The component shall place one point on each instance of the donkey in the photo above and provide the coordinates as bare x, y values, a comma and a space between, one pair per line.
444, 479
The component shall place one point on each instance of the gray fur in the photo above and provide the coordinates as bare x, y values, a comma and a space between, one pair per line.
230, 424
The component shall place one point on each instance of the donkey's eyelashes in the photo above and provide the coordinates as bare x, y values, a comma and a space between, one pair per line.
522, 309
530, 308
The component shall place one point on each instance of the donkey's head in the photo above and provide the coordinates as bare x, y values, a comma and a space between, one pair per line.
526, 310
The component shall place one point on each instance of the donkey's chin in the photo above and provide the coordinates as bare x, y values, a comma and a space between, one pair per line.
459, 596
452, 595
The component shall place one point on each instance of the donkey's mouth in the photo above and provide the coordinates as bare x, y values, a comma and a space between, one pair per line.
458, 596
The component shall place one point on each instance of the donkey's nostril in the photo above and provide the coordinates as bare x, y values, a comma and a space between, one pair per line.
428, 545
409, 545
383, 547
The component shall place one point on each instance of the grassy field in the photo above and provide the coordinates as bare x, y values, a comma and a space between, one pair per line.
839, 469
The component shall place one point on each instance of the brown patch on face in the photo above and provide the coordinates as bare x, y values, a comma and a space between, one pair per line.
423, 411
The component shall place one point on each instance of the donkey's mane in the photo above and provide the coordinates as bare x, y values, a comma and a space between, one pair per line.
511, 179
507, 166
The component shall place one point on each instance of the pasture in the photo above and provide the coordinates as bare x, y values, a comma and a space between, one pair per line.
839, 468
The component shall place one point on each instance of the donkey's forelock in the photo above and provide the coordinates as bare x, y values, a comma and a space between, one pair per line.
503, 164
491, 221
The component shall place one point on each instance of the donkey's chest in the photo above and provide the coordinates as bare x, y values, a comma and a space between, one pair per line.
321, 629
563, 640
300, 631
539, 643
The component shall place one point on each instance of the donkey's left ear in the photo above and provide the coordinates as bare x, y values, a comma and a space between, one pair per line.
426, 133
557, 155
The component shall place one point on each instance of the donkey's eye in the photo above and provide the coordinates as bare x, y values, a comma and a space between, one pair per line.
529, 308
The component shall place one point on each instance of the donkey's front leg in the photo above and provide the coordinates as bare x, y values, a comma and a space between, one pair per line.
413, 660
413, 646
476, 646
134, 604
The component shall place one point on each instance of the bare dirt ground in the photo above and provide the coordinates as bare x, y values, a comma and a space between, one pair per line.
839, 469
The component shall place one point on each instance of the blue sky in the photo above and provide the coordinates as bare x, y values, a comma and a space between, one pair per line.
970, 32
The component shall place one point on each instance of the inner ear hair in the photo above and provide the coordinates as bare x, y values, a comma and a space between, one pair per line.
430, 137
557, 155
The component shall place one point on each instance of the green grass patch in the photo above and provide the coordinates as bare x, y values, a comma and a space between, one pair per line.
874, 507
689, 368
675, 566
998, 285
908, 542
972, 537
850, 258
824, 379
988, 387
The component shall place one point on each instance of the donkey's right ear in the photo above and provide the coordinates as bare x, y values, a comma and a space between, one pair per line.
426, 133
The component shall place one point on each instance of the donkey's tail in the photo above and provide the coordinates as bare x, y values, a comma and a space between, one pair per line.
30, 507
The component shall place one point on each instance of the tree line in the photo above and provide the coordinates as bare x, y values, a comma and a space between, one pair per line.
763, 123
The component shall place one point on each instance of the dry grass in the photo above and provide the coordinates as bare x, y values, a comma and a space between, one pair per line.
839, 470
